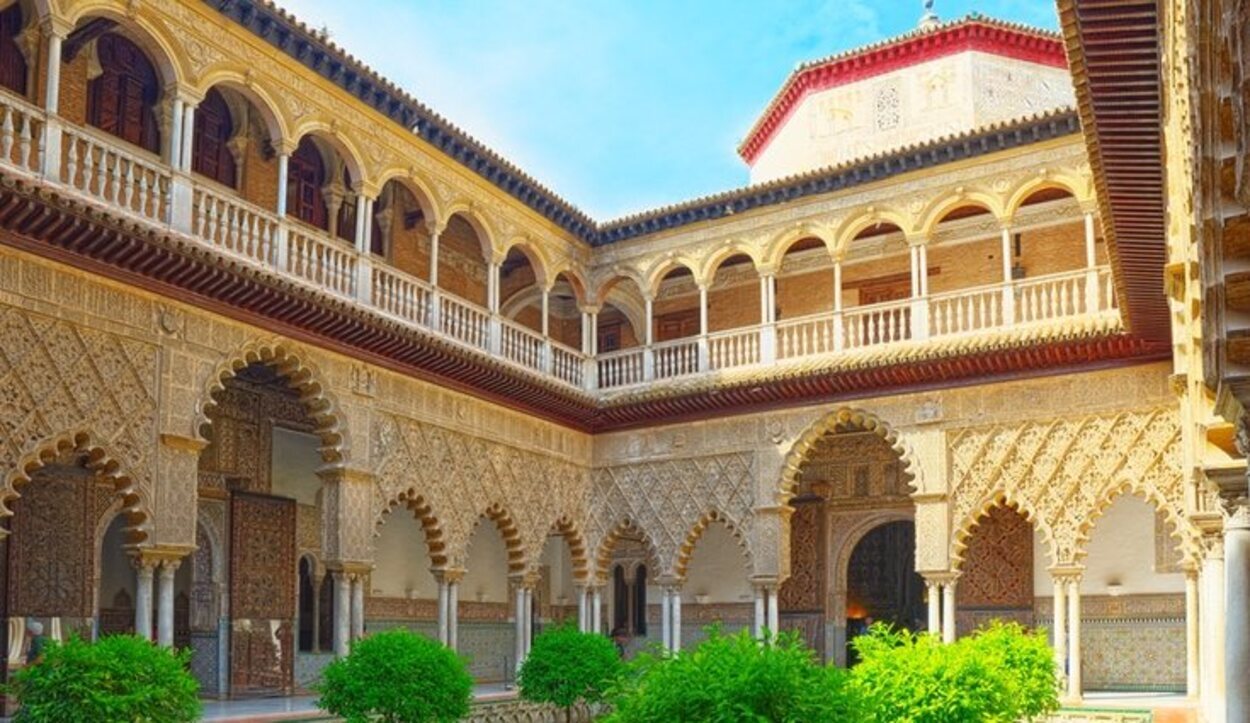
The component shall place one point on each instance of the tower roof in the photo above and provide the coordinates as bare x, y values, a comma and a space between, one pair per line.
931, 40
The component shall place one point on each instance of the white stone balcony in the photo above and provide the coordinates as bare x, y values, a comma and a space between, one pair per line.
87, 163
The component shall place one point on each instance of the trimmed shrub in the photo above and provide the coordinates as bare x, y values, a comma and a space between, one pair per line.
119, 679
1000, 675
731, 678
565, 666
396, 676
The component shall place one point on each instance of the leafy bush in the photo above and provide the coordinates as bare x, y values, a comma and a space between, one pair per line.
399, 677
1000, 675
120, 678
733, 678
565, 666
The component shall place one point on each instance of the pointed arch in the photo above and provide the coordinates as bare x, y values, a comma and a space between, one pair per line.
423, 512
845, 417
686, 550
966, 528
292, 364
103, 461
626, 527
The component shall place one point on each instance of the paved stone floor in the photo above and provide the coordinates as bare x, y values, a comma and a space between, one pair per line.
302, 708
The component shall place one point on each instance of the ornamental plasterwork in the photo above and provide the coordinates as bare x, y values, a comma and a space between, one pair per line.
461, 477
671, 501
1062, 473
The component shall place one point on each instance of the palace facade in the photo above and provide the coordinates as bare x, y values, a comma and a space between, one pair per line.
286, 357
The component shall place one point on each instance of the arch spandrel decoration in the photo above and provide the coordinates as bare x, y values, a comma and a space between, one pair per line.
1063, 473
830, 423
665, 500
460, 476
63, 386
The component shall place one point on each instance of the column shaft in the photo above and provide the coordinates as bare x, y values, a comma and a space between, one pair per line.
520, 626
1211, 618
358, 606
1237, 612
173, 151
596, 621
1060, 625
188, 137
1074, 642
165, 605
935, 606
760, 603
453, 616
143, 601
675, 603
284, 160
52, 89
342, 613
666, 621
774, 615
443, 617
1192, 676
948, 612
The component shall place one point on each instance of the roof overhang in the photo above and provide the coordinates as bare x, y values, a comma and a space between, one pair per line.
1113, 51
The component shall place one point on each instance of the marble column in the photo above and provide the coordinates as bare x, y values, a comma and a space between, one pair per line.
948, 611
165, 604
675, 604
933, 590
1211, 620
529, 618
596, 609
342, 612
666, 620
52, 88
1192, 676
443, 616
1237, 611
284, 160
1060, 624
188, 136
358, 605
453, 613
1074, 640
583, 609
760, 602
143, 598
520, 615
774, 615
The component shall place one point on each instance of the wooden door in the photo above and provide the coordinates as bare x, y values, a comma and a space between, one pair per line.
262, 594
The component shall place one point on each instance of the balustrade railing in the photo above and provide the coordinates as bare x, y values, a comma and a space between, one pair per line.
326, 262
96, 166
676, 358
464, 322
234, 226
737, 348
21, 134
522, 346
401, 295
964, 311
621, 368
110, 172
807, 336
568, 364
877, 324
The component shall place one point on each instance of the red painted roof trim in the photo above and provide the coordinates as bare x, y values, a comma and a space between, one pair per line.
909, 50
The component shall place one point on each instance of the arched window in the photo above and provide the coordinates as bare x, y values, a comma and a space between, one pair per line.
210, 151
640, 600
306, 176
122, 99
347, 212
12, 61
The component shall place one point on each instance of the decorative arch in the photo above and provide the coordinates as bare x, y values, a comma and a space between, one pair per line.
420, 190
101, 460
152, 38
707, 273
256, 94
423, 512
301, 375
604, 284
329, 133
662, 268
857, 222
1180, 531
508, 530
844, 417
479, 224
938, 209
576, 280
624, 527
686, 551
532, 253
966, 528
1076, 185
776, 248
566, 528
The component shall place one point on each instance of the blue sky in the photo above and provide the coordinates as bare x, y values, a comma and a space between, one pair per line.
617, 106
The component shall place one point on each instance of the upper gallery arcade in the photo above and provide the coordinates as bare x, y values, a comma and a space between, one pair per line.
265, 316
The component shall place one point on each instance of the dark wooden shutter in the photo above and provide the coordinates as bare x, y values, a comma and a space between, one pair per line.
122, 99
210, 151
306, 176
12, 62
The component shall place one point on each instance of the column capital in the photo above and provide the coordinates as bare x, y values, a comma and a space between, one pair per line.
284, 146
186, 444
349, 568
1066, 573
345, 475
940, 577
53, 25
184, 92
449, 575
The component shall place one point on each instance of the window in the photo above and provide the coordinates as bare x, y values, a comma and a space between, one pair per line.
122, 100
609, 337
210, 152
306, 176
640, 600
12, 61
